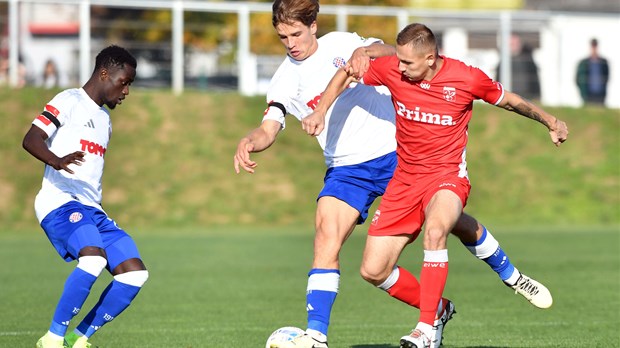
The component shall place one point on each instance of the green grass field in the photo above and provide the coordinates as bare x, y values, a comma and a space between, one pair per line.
231, 287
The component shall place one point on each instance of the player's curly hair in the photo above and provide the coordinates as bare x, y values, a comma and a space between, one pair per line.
289, 11
114, 56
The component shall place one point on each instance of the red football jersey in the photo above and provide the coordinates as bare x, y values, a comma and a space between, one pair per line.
432, 116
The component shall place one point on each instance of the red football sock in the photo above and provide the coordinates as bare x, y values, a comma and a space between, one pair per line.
433, 280
406, 288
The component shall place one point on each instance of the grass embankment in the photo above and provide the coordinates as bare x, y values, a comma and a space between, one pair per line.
170, 165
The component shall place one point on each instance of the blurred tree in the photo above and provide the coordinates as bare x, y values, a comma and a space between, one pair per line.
209, 31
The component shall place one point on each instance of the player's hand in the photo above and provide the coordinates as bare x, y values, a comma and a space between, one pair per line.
358, 64
313, 124
63, 163
558, 132
242, 157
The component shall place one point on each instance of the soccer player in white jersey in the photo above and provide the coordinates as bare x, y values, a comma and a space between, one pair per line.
360, 156
70, 137
433, 99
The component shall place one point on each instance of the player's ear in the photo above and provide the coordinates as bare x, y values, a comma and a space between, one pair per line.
103, 73
313, 28
430, 59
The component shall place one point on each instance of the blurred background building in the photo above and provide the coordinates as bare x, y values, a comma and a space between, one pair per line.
532, 46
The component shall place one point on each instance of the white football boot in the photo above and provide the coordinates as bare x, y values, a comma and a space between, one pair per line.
533, 291
417, 339
440, 323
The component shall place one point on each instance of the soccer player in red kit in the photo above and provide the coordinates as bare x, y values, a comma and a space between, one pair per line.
433, 97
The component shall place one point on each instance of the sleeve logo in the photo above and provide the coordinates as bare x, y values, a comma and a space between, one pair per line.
75, 217
339, 62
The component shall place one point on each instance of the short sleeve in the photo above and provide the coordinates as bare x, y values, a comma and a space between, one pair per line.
49, 119
377, 70
367, 41
281, 93
485, 88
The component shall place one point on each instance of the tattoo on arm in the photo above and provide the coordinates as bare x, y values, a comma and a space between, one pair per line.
526, 110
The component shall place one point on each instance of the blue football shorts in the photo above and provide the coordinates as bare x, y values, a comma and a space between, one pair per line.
74, 226
359, 185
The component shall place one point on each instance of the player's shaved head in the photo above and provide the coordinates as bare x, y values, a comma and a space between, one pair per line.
290, 11
419, 37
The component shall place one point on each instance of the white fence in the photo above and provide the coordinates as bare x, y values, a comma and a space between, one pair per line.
562, 39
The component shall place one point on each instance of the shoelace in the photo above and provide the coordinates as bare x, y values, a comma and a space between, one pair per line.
527, 286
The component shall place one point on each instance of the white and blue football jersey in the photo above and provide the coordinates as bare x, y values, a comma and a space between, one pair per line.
77, 123
359, 126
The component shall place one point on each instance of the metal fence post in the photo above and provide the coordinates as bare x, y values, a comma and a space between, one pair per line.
505, 56
84, 41
342, 19
13, 42
247, 82
177, 47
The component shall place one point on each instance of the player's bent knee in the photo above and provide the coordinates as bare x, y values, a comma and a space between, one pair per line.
133, 278
373, 276
92, 264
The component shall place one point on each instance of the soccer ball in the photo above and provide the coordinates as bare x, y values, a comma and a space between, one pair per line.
284, 334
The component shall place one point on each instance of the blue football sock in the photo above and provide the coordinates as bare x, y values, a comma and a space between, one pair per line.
488, 250
500, 263
77, 288
114, 300
320, 297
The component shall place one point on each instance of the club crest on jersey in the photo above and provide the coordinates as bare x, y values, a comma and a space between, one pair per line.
339, 62
75, 217
449, 94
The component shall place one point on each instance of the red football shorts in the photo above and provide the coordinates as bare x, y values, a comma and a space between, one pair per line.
401, 210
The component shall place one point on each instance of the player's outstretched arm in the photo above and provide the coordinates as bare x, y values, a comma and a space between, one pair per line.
558, 131
34, 143
257, 140
360, 59
314, 123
